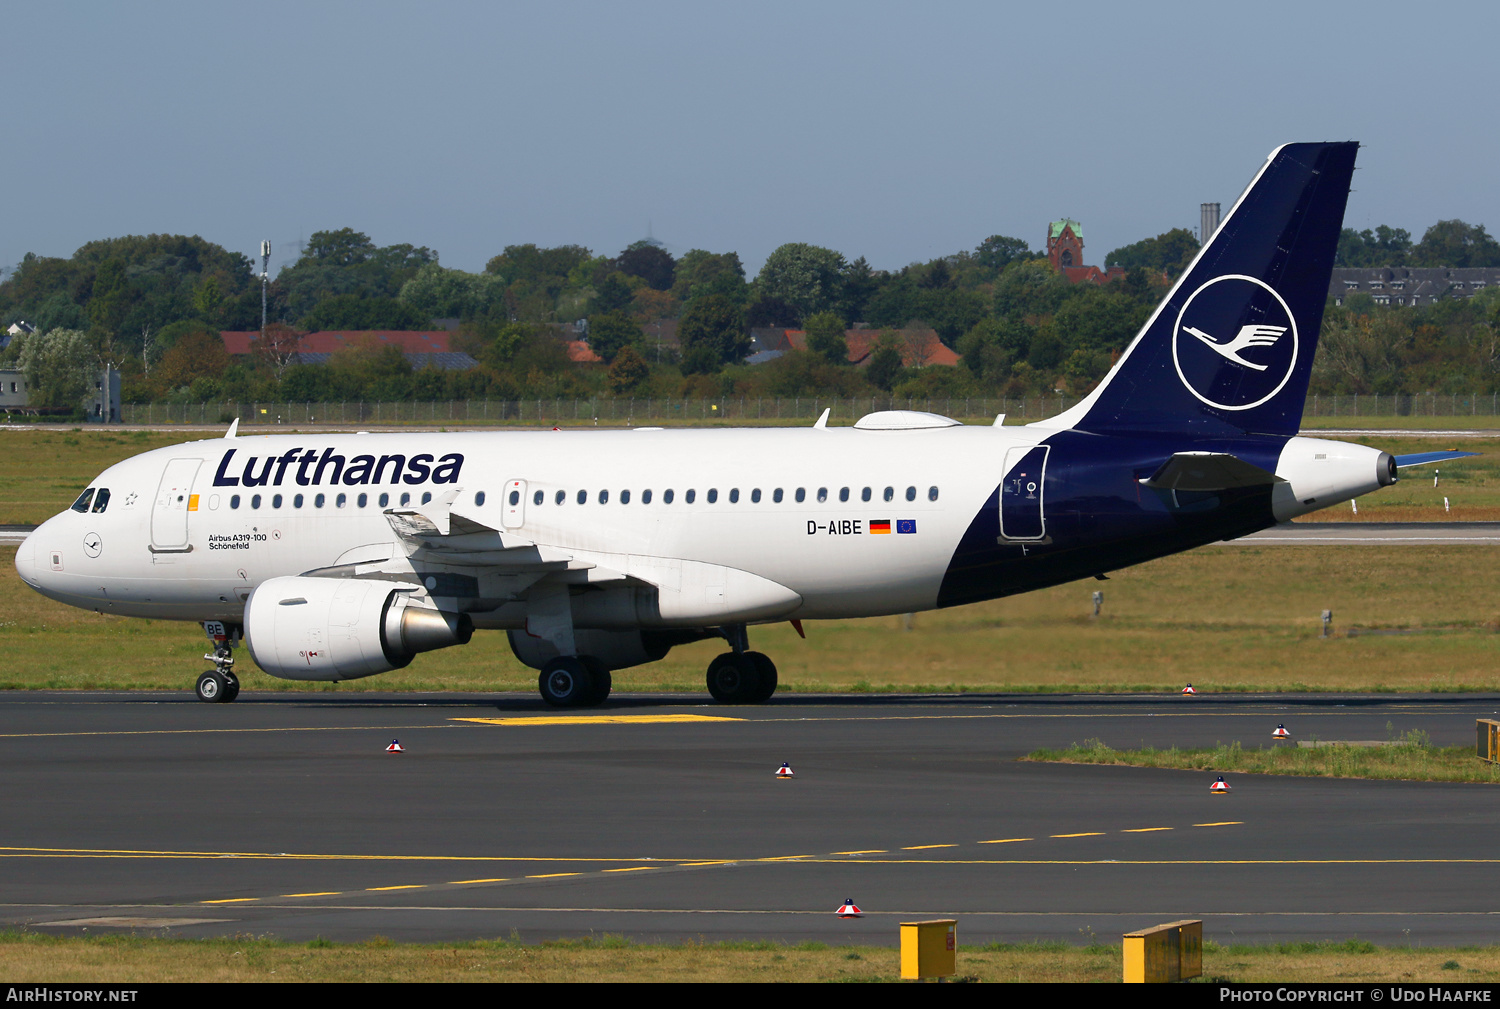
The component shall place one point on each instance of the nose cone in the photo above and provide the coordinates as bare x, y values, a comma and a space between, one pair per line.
26, 560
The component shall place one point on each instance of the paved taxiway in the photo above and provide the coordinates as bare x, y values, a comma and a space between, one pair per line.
283, 814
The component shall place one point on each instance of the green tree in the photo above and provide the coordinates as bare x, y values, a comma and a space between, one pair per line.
344, 247
713, 328
650, 262
825, 337
1170, 251
612, 332
353, 312
701, 273
997, 251
60, 367
1456, 244
628, 371
439, 293
807, 277
613, 295
1030, 287
885, 368
1385, 246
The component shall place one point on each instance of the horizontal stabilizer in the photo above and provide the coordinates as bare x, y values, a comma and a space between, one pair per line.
1207, 471
1423, 458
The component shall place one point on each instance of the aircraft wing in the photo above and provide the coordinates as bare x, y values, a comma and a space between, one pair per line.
1208, 471
1423, 458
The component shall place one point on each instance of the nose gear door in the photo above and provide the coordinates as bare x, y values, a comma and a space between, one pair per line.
1021, 514
174, 500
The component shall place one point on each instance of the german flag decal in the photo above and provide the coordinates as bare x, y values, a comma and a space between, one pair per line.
878, 526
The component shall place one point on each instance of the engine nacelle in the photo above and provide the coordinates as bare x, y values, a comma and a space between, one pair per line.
616, 649
343, 628
1316, 473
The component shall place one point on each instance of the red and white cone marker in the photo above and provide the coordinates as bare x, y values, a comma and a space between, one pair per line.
849, 910
785, 771
395, 747
1220, 786
1281, 733
1189, 689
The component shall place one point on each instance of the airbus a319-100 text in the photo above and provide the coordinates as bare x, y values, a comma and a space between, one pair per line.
335, 556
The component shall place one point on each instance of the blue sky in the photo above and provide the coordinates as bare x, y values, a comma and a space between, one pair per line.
894, 131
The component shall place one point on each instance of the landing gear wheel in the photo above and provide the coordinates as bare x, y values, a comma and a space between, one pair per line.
734, 679
213, 688
602, 680
767, 671
231, 687
565, 682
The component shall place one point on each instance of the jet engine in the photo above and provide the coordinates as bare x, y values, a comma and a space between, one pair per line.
340, 629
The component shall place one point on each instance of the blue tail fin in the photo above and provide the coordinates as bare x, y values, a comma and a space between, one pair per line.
1230, 349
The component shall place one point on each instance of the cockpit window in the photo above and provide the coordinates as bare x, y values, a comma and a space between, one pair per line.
82, 504
101, 500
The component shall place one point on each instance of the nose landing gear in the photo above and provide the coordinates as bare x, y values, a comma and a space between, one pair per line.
219, 685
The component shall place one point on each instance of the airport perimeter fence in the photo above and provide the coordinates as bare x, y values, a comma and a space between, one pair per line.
637, 412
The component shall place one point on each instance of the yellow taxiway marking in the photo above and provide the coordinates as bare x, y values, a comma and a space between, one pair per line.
550, 875
1144, 830
633, 868
231, 900
325, 893
598, 719
778, 858
12, 852
872, 851
1222, 823
724, 861
461, 882
1090, 833
923, 847
408, 886
1007, 840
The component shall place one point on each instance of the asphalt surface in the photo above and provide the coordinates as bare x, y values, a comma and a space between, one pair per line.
284, 815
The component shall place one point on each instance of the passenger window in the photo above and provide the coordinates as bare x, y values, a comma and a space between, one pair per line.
713, 495
890, 493
561, 497
645, 497
822, 494
515, 498
843, 493
426, 496
666, 496
691, 495
583, 497
478, 500
82, 504
384, 499
255, 500
234, 501
604, 497
776, 495
343, 499
213, 502
297, 500
755, 496
864, 495
364, 499
734, 495
538, 497
101, 500
275, 500
801, 495
405, 499
624, 497
911, 493
932, 493
318, 500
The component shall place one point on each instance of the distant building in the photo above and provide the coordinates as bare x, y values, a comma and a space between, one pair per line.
422, 349
1410, 285
101, 404
1065, 253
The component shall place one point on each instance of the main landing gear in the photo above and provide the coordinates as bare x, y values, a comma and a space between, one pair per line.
741, 676
219, 685
574, 681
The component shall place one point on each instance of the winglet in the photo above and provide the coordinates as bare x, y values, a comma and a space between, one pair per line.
234, 426
823, 420
999, 420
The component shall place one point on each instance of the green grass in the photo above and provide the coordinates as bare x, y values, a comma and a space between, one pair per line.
1409, 757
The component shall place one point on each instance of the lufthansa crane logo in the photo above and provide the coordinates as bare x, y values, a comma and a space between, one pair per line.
1235, 343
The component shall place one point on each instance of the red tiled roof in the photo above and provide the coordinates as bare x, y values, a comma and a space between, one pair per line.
579, 352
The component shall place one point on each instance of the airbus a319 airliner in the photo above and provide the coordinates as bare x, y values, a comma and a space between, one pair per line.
335, 556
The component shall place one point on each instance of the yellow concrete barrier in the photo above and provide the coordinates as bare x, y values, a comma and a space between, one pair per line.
1171, 952
1488, 743
929, 949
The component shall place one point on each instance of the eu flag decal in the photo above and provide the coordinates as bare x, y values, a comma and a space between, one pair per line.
906, 525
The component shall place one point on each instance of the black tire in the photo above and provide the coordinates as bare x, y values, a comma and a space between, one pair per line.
565, 682
767, 672
231, 687
211, 688
603, 681
734, 679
